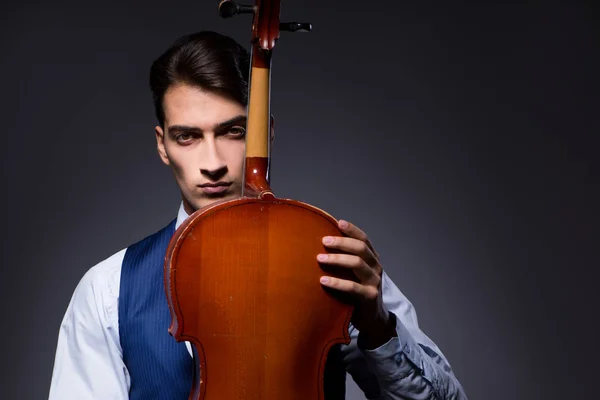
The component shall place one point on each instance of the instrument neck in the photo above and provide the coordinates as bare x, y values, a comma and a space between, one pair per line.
258, 129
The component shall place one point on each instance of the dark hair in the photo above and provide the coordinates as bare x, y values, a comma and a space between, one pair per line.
207, 60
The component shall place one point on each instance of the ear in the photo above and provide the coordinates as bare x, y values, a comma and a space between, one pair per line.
160, 145
272, 135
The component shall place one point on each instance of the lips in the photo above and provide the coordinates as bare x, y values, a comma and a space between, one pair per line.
212, 188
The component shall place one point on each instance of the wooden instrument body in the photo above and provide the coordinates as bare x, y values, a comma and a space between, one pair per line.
245, 275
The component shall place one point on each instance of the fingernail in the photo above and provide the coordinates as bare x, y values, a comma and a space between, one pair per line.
328, 240
343, 224
322, 257
324, 279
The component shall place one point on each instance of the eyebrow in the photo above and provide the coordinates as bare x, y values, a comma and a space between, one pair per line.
240, 119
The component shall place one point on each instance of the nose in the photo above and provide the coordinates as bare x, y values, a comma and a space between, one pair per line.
213, 166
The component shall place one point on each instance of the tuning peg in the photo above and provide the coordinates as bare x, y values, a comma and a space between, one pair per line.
295, 26
228, 9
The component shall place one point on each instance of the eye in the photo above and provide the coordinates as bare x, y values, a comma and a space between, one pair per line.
184, 137
237, 131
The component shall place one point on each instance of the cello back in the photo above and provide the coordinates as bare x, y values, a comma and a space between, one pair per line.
244, 289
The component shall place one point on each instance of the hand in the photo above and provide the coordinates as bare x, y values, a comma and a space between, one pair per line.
370, 316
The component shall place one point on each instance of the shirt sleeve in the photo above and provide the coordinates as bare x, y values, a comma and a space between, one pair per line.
88, 362
409, 366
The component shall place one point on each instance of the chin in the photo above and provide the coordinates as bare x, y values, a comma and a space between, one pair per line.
205, 202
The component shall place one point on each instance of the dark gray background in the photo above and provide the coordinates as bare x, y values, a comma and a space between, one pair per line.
461, 137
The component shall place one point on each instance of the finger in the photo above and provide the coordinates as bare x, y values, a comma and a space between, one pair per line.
352, 230
360, 268
355, 232
353, 246
366, 292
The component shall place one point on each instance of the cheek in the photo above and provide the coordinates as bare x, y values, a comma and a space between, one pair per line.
236, 156
182, 163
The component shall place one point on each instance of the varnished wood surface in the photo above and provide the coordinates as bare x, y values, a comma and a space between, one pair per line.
257, 132
243, 286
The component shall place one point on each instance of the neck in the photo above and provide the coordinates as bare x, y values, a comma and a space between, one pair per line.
256, 175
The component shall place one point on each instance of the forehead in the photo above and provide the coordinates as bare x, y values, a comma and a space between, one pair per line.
192, 106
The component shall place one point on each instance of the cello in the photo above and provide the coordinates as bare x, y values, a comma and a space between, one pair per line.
241, 276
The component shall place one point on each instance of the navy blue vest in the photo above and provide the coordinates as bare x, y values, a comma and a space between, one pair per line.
159, 367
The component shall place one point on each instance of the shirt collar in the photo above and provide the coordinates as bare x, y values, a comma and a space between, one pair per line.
181, 216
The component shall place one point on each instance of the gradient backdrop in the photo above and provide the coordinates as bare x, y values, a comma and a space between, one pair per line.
463, 138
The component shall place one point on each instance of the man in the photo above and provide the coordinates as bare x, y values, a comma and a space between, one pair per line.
114, 341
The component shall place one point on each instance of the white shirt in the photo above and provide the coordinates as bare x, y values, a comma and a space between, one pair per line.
89, 362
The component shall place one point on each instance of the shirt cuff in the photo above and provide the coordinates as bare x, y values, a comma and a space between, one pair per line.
386, 360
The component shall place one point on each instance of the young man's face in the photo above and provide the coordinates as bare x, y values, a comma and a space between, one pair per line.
204, 143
